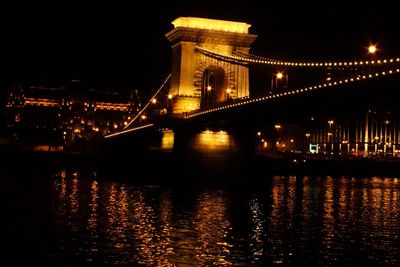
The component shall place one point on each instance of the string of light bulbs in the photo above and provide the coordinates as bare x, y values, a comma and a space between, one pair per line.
150, 101
242, 102
261, 60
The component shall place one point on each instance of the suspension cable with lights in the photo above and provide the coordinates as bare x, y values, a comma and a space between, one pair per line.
249, 58
242, 102
150, 101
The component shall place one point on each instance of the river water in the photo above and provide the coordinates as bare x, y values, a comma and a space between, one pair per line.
73, 217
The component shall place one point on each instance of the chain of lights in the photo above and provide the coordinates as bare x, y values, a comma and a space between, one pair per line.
243, 102
252, 56
150, 101
129, 130
261, 60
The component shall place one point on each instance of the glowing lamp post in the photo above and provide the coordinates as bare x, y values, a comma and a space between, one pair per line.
372, 49
330, 134
279, 80
371, 54
307, 141
278, 138
143, 118
229, 91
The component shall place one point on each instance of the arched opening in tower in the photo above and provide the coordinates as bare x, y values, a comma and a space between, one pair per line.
214, 87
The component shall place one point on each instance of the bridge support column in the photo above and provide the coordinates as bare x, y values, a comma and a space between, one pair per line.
196, 76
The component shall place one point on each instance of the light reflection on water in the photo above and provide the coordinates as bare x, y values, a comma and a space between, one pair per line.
212, 227
257, 232
293, 220
213, 141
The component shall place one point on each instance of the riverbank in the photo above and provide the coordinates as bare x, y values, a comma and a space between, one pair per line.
158, 165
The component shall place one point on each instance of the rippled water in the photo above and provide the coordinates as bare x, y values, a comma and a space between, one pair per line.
75, 219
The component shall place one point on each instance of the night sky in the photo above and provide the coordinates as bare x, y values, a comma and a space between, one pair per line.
122, 45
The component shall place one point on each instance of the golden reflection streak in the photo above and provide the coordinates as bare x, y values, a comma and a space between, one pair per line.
306, 199
282, 217
117, 211
376, 199
167, 140
61, 188
291, 196
93, 220
66, 207
352, 215
276, 223
153, 236
212, 141
380, 214
257, 230
145, 231
74, 201
212, 228
112, 214
342, 203
165, 249
123, 219
328, 219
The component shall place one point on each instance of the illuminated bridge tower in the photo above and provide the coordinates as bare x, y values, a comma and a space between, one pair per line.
199, 80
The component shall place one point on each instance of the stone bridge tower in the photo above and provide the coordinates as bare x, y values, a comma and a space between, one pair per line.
200, 80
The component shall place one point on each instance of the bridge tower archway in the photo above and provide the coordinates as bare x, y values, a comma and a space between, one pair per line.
192, 69
213, 89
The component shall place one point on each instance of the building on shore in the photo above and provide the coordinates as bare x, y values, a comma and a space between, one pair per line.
52, 117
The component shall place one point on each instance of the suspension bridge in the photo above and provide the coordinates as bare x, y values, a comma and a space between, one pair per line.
211, 60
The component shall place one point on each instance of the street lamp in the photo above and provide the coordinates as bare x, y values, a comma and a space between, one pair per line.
278, 127
372, 49
330, 134
142, 118
207, 94
277, 81
386, 139
307, 141
229, 91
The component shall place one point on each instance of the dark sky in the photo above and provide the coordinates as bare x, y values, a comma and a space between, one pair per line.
122, 45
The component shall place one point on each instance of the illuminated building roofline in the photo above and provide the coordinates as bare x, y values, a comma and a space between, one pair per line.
211, 24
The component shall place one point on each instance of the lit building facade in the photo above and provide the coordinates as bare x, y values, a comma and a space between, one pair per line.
51, 117
369, 133
198, 80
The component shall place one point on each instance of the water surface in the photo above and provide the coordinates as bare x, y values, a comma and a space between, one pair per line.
75, 218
